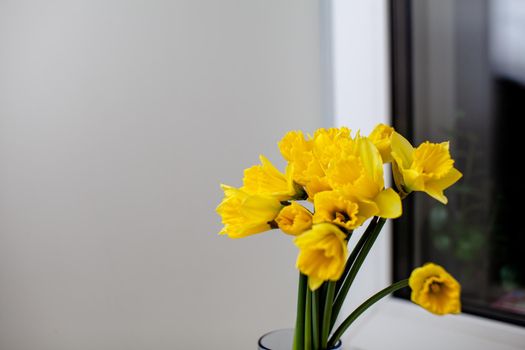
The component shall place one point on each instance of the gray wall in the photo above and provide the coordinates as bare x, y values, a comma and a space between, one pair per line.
118, 121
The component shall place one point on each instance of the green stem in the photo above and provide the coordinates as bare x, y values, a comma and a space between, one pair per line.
308, 321
327, 314
354, 253
315, 318
322, 302
363, 307
338, 304
298, 341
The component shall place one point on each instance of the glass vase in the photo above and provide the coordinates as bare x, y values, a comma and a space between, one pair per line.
282, 339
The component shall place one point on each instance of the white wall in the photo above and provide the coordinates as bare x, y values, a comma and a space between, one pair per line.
118, 121
361, 101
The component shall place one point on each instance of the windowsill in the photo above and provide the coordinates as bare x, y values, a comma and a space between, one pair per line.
399, 324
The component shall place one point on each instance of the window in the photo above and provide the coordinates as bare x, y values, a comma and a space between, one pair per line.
459, 74
364, 80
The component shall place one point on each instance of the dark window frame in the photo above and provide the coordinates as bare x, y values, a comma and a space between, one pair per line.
403, 247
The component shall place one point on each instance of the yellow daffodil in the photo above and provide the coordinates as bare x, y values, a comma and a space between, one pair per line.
310, 157
435, 289
294, 219
381, 136
293, 142
428, 168
244, 214
331, 206
297, 151
358, 176
266, 179
329, 144
322, 254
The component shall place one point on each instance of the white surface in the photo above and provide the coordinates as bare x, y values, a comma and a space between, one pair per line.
399, 324
118, 121
361, 100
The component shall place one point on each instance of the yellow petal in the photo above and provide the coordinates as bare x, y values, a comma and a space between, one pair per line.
243, 214
314, 282
437, 194
291, 142
344, 171
381, 136
367, 209
413, 180
389, 204
402, 149
446, 181
316, 185
298, 152
261, 208
371, 159
432, 159
434, 188
266, 179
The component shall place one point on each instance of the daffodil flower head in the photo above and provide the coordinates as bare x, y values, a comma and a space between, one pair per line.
428, 168
358, 175
329, 144
297, 150
266, 179
434, 289
244, 214
294, 219
311, 156
332, 207
322, 254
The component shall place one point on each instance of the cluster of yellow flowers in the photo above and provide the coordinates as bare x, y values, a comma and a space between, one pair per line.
332, 184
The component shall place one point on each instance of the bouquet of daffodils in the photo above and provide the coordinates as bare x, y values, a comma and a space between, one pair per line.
333, 184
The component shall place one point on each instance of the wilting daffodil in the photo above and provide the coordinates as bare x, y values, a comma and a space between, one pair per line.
322, 254
435, 289
244, 214
428, 168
